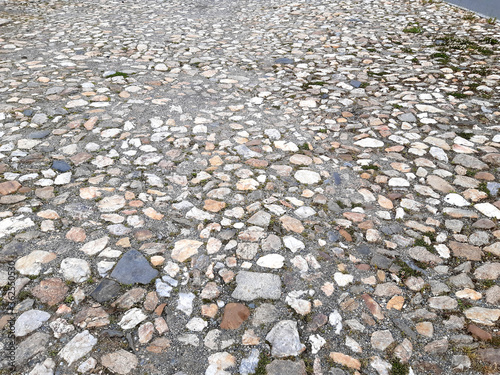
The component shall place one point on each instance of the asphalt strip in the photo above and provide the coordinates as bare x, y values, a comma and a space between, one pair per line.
487, 8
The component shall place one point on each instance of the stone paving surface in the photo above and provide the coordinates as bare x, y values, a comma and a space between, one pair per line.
248, 187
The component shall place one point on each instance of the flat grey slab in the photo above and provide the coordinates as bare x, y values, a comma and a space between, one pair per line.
254, 285
488, 8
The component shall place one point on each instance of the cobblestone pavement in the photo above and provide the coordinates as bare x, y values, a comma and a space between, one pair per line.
249, 187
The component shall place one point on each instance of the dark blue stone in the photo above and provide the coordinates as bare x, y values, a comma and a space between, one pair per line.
133, 268
337, 178
28, 112
39, 134
60, 166
106, 290
333, 236
381, 262
57, 111
284, 60
355, 83
390, 229
325, 96
364, 249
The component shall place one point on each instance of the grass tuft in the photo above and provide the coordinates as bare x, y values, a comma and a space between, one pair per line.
413, 29
118, 74
399, 368
264, 360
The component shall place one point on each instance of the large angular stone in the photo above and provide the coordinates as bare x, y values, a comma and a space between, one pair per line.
260, 218
130, 298
132, 318
285, 340
292, 224
32, 264
442, 303
373, 306
490, 355
95, 246
91, 316
488, 209
76, 270
469, 161
387, 290
249, 364
29, 321
439, 184
493, 158
111, 204
219, 362
50, 291
464, 250
404, 350
493, 295
437, 346
120, 362
45, 368
307, 177
494, 249
31, 346
134, 268
9, 187
184, 249
14, 224
482, 315
254, 285
247, 184
264, 314
420, 254
369, 142
234, 316
488, 271
380, 340
78, 347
